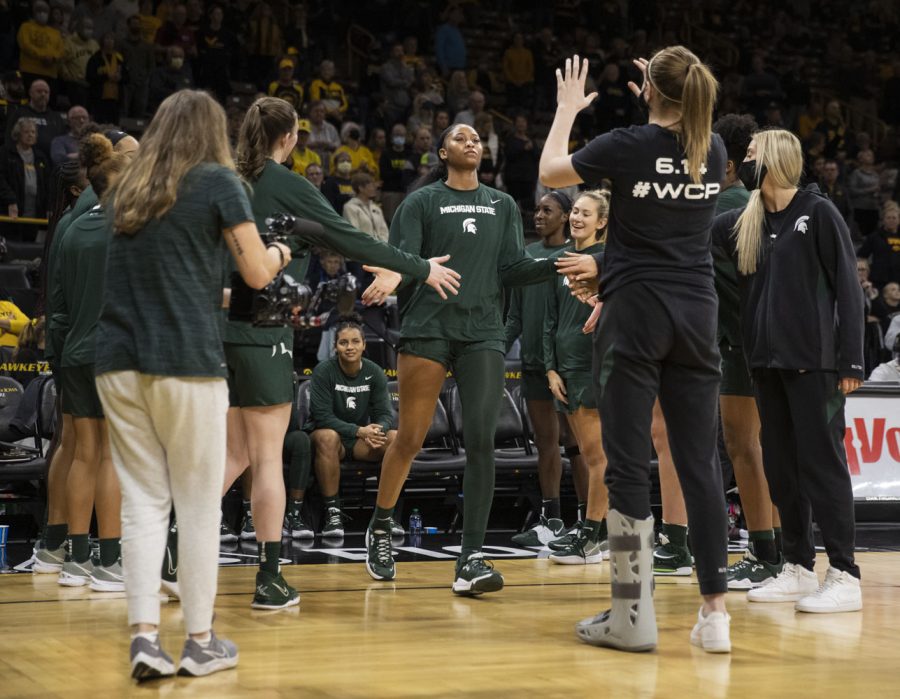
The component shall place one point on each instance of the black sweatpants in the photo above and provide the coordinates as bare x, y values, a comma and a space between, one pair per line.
660, 339
802, 416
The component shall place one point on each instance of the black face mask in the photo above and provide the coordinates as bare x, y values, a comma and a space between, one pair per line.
747, 175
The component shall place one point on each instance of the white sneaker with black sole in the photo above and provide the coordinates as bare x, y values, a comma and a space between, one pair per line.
839, 593
794, 583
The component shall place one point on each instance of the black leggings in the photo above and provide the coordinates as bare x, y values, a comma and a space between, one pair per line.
661, 340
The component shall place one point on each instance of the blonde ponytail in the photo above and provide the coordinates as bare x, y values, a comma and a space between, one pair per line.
748, 233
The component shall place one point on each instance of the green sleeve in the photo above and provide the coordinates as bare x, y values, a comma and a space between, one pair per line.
517, 268
406, 230
321, 407
380, 403
513, 326
551, 326
343, 238
58, 325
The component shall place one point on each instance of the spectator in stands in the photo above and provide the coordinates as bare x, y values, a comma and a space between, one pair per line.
547, 56
518, 71
176, 32
323, 138
216, 48
194, 16
832, 125
124, 9
883, 246
457, 91
865, 189
612, 109
397, 170
25, 175
520, 164
65, 147
265, 43
330, 92
887, 306
422, 115
411, 54
12, 95
397, 78
492, 155
106, 73
811, 116
361, 211
441, 121
40, 45
315, 174
78, 48
48, 121
140, 57
873, 337
376, 144
59, 21
430, 85
172, 76
103, 16
336, 187
759, 88
150, 23
361, 157
285, 87
832, 187
350, 415
28, 357
476, 106
449, 43
889, 371
303, 156
12, 320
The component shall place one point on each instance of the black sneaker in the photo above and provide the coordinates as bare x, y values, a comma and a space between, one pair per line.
475, 576
379, 558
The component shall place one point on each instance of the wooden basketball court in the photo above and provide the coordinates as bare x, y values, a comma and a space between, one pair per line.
352, 637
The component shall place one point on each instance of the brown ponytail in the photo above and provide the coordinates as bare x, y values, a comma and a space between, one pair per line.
267, 120
102, 162
676, 72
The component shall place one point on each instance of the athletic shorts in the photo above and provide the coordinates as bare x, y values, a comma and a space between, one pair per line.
259, 375
736, 379
79, 392
535, 385
579, 393
447, 351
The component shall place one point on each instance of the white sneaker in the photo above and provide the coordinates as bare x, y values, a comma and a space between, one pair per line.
839, 593
794, 583
712, 632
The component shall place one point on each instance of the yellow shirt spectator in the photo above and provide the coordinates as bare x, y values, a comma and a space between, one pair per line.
302, 159
359, 157
331, 93
40, 48
12, 321
76, 54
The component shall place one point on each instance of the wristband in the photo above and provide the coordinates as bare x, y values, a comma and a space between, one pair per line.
280, 253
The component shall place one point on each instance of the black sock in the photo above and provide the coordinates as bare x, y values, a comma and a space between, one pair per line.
55, 535
269, 553
762, 544
295, 506
581, 508
79, 547
550, 508
779, 541
676, 534
110, 550
333, 502
592, 529
381, 519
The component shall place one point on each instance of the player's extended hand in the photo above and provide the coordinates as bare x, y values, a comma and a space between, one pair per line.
383, 286
570, 85
585, 291
593, 318
641, 64
849, 385
577, 267
441, 278
557, 386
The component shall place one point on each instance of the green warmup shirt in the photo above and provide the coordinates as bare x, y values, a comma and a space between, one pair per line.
481, 230
525, 318
345, 403
163, 296
82, 264
726, 282
566, 348
86, 201
279, 190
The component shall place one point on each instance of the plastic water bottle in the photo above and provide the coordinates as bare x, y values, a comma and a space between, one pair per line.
415, 522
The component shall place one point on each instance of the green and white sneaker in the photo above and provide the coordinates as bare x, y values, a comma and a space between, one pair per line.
582, 551
379, 557
273, 592
669, 559
475, 576
226, 533
542, 533
75, 574
296, 527
108, 578
48, 560
566, 537
334, 523
750, 572
248, 529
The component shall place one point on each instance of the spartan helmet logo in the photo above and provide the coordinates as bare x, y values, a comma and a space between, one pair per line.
351, 402
800, 224
469, 226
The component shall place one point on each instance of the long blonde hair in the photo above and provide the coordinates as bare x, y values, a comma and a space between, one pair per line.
780, 153
685, 84
189, 128
601, 198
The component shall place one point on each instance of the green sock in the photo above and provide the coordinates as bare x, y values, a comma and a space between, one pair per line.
110, 550
779, 542
381, 519
762, 544
676, 534
550, 508
55, 536
591, 530
269, 553
79, 547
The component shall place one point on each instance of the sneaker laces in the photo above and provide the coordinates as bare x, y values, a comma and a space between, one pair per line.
477, 563
382, 547
336, 517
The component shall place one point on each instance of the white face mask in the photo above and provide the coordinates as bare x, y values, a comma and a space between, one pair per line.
176, 63
343, 168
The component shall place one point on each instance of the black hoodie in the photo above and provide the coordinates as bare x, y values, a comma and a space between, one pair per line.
803, 308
